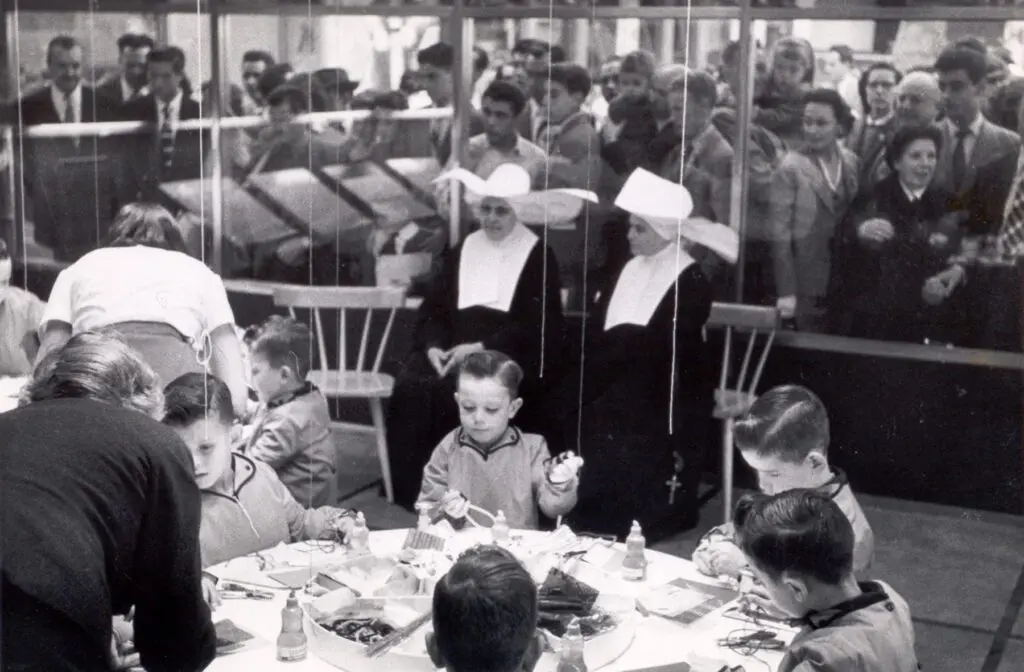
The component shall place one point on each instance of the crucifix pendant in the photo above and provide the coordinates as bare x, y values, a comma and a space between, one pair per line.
673, 485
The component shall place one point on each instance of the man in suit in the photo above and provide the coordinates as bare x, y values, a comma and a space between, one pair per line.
66, 219
254, 64
436, 63
871, 133
284, 144
168, 155
133, 50
972, 145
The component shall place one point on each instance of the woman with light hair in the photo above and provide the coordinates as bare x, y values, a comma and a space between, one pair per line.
101, 513
167, 305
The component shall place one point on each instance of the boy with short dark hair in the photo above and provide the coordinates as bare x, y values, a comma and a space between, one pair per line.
485, 615
800, 546
784, 437
246, 508
293, 429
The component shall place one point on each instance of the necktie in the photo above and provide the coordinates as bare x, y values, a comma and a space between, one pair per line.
1011, 234
69, 115
960, 159
167, 138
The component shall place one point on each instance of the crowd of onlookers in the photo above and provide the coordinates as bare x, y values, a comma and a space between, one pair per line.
870, 195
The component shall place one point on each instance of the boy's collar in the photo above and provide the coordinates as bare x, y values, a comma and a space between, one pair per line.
281, 400
243, 470
833, 486
509, 438
872, 594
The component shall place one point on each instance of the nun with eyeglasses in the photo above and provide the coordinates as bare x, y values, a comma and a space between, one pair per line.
498, 290
638, 405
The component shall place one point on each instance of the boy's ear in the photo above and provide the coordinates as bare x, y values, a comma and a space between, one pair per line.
817, 460
797, 587
434, 652
533, 653
514, 407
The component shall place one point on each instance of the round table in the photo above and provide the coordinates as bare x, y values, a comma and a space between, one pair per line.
658, 641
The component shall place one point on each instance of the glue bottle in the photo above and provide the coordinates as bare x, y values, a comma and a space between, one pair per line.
571, 659
359, 537
499, 530
291, 643
423, 522
634, 566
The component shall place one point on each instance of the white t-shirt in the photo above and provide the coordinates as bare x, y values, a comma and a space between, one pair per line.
112, 285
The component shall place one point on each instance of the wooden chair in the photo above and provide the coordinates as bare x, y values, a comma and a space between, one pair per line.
359, 382
734, 401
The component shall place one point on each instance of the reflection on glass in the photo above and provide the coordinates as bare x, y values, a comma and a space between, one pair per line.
936, 152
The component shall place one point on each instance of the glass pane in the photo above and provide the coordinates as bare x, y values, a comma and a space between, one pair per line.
638, 132
323, 203
102, 67
600, 3
246, 4
884, 240
888, 4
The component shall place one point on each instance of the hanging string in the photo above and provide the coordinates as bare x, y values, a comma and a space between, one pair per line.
584, 293
95, 138
21, 146
679, 223
547, 184
202, 150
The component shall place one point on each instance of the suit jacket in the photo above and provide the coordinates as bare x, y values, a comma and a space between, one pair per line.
144, 160
992, 144
985, 202
301, 148
443, 145
803, 216
868, 143
708, 175
110, 90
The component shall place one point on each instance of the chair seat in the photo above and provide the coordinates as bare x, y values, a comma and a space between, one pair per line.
355, 384
732, 403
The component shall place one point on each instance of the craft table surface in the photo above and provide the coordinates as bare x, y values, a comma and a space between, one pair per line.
658, 642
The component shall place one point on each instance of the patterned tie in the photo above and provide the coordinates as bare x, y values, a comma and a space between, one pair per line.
167, 139
1011, 234
69, 116
960, 159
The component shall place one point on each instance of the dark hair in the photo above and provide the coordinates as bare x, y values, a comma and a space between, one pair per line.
258, 56
701, 87
799, 531
731, 52
865, 79
505, 92
485, 611
526, 46
557, 54
971, 42
963, 58
296, 99
844, 52
639, 62
63, 42
172, 55
197, 396
410, 82
146, 224
98, 366
787, 422
480, 59
487, 364
284, 341
574, 78
274, 76
135, 41
831, 98
440, 55
905, 136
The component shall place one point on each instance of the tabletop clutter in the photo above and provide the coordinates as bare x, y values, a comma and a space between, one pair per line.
370, 602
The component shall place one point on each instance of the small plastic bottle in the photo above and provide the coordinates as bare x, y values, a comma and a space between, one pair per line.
634, 566
423, 521
291, 643
571, 659
359, 538
499, 530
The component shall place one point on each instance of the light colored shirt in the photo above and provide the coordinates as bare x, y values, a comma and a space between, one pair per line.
128, 93
484, 158
971, 138
113, 285
169, 111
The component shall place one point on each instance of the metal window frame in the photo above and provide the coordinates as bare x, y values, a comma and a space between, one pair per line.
457, 13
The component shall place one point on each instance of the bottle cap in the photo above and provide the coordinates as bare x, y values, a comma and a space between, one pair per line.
500, 516
293, 601
360, 519
635, 529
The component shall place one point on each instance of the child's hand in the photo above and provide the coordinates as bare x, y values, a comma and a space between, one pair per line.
122, 645
438, 359
720, 559
210, 593
342, 526
454, 504
564, 470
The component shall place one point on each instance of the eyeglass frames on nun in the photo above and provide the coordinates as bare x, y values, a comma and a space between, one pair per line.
496, 210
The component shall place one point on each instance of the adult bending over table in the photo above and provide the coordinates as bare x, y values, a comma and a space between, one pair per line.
499, 290
116, 525
638, 405
167, 305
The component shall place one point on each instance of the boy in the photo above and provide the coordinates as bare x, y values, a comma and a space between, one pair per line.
21, 312
246, 508
485, 615
489, 462
785, 438
293, 430
800, 546
631, 124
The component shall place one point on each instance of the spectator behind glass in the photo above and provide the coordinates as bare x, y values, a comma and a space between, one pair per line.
485, 615
254, 64
871, 132
133, 51
779, 106
892, 280
336, 86
20, 315
801, 549
82, 543
811, 191
273, 77
841, 74
631, 125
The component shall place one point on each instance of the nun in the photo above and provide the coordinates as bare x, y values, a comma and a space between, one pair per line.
498, 290
638, 406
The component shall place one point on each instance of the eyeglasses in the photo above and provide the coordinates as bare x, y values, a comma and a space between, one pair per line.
496, 210
881, 85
